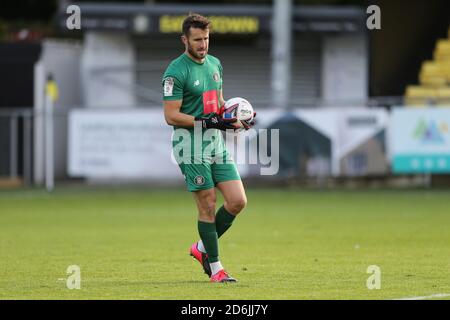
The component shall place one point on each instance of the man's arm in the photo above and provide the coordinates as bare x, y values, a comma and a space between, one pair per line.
173, 115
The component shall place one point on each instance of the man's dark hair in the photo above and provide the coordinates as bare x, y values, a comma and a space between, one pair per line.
195, 20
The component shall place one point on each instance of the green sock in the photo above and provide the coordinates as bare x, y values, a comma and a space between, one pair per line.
208, 234
224, 220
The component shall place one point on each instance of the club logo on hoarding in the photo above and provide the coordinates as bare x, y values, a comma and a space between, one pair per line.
430, 132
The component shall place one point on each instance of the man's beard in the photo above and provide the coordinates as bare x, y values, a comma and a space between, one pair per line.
196, 55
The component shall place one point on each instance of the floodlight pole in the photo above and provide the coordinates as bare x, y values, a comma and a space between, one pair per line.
281, 53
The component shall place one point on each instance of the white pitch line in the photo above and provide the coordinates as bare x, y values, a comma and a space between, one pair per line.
438, 295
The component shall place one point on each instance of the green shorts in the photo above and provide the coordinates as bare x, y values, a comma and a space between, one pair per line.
207, 174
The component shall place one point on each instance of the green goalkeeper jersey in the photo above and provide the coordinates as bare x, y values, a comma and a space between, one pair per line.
197, 85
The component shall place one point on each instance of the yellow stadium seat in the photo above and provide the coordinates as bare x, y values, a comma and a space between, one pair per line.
433, 74
434, 77
443, 92
443, 44
416, 102
421, 91
433, 81
442, 51
444, 96
442, 56
446, 67
433, 68
420, 95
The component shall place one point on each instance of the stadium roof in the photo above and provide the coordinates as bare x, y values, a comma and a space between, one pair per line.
122, 17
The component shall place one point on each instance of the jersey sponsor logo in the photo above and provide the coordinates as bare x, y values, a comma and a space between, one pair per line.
216, 77
196, 83
210, 102
199, 180
168, 86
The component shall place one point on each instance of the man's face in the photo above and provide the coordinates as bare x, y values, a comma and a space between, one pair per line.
197, 42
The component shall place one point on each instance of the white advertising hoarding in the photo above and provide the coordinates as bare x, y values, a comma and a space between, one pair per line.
136, 144
349, 129
420, 140
132, 144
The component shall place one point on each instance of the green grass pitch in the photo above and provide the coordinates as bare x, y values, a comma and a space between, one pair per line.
291, 244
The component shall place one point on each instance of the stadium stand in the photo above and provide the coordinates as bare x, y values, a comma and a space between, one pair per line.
434, 78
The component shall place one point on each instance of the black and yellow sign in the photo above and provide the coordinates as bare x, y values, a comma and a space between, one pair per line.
220, 24
51, 90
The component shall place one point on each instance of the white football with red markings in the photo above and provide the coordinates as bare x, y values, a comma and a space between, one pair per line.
240, 109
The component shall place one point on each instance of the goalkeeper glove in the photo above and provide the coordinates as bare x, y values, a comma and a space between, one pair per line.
217, 122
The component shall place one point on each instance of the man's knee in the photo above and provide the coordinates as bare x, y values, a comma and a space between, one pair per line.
207, 206
235, 206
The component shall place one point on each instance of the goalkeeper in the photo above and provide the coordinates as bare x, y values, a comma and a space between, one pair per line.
192, 95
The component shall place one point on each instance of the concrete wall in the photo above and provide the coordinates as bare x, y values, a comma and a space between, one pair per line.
61, 58
345, 66
108, 70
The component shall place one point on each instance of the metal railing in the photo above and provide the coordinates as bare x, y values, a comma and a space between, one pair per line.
14, 116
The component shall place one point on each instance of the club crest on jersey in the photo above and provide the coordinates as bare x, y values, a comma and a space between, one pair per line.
199, 180
216, 77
